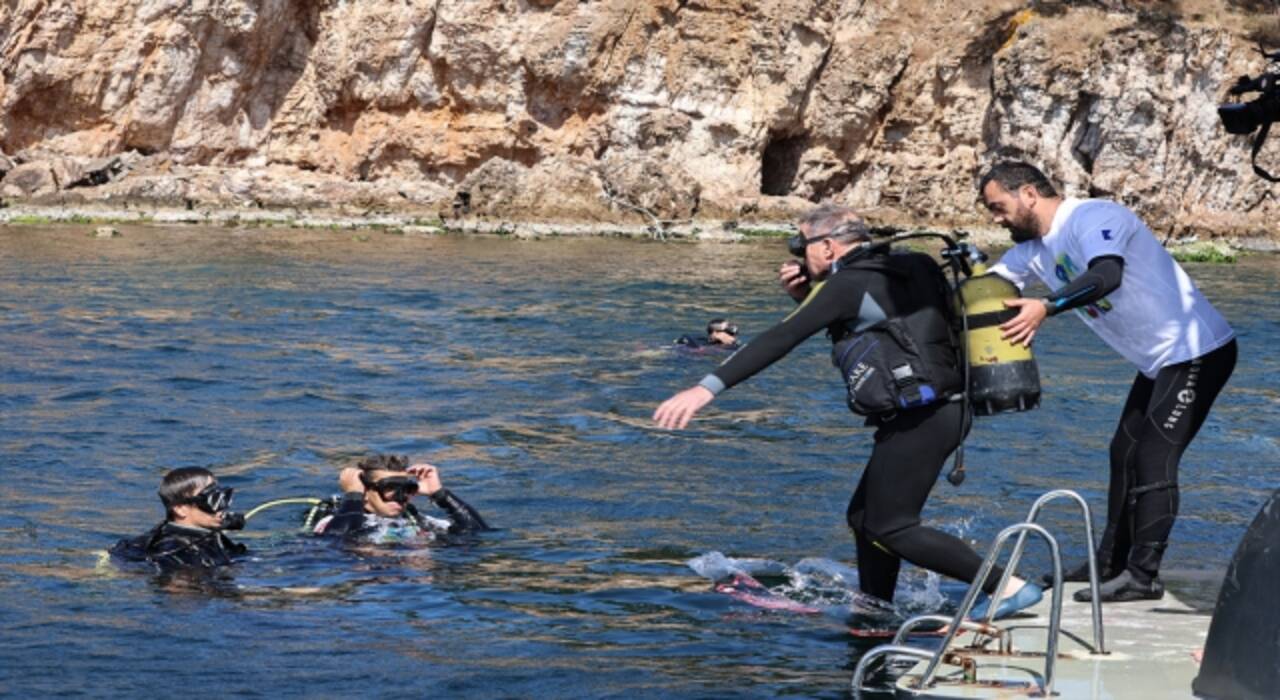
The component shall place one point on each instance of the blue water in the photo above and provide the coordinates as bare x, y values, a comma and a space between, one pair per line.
527, 371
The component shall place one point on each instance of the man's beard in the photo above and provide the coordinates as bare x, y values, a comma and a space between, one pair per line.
1022, 228
1021, 235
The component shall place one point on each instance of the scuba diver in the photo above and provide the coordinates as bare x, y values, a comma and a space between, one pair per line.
375, 503
197, 511
721, 336
1102, 260
889, 316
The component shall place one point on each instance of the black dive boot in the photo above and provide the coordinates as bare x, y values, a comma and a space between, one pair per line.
1078, 574
1123, 588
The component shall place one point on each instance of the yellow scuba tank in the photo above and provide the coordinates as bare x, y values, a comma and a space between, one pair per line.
1002, 376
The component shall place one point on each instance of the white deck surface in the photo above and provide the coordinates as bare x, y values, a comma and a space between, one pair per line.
1151, 643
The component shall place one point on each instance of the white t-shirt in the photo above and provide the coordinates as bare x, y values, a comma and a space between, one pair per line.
1156, 318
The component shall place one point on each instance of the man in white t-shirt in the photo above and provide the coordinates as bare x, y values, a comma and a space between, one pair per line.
1101, 261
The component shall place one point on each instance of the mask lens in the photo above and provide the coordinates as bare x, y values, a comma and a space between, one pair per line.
397, 489
213, 499
795, 245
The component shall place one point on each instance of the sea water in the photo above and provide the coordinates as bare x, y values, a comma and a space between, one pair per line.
528, 372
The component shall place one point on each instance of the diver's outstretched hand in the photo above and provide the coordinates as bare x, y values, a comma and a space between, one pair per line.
428, 477
676, 411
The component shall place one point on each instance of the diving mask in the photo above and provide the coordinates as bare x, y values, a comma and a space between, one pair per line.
212, 499
722, 327
397, 489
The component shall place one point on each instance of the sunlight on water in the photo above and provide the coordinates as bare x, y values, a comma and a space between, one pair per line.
527, 371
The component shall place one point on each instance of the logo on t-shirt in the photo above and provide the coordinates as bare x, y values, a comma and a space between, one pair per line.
1066, 271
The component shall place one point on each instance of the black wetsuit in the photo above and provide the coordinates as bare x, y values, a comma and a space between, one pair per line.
912, 445
350, 519
1160, 418
172, 547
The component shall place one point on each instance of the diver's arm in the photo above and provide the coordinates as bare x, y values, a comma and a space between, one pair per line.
826, 305
464, 518
1102, 278
819, 310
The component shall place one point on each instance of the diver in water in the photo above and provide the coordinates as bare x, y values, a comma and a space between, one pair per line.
1102, 261
375, 503
197, 511
721, 335
859, 292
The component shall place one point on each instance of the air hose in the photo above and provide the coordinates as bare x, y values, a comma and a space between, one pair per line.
282, 502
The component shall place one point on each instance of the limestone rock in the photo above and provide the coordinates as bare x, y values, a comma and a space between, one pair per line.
629, 111
29, 180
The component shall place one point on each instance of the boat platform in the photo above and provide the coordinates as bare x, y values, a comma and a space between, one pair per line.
1149, 643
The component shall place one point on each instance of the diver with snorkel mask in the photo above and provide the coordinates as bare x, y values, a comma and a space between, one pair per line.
197, 514
375, 504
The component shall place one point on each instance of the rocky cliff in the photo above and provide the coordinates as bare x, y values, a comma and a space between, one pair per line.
641, 111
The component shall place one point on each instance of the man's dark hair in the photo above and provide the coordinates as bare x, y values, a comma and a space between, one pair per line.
383, 463
181, 483
841, 222
1012, 174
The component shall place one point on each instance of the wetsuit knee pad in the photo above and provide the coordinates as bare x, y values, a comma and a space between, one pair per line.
1136, 491
882, 538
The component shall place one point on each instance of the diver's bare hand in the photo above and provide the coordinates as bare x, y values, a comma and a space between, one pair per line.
428, 477
675, 412
1022, 328
793, 279
349, 480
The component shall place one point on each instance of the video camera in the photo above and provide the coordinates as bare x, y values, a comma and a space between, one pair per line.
1244, 117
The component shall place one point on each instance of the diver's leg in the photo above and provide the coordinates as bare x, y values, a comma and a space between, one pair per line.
1180, 401
909, 454
1117, 535
1185, 394
877, 568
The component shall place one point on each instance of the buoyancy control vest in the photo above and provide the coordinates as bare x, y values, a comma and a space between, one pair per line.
996, 375
908, 359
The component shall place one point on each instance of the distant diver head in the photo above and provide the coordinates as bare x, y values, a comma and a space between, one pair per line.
827, 233
721, 332
387, 486
192, 496
1012, 191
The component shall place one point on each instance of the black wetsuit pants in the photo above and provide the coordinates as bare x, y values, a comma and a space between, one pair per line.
884, 513
1160, 418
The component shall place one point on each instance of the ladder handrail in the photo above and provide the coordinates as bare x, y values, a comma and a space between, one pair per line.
1099, 643
1055, 609
860, 672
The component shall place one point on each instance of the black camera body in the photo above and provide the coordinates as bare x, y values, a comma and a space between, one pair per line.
1243, 118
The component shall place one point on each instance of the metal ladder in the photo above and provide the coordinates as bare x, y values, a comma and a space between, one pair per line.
961, 622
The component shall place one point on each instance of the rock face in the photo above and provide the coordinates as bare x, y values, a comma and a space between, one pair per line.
647, 111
